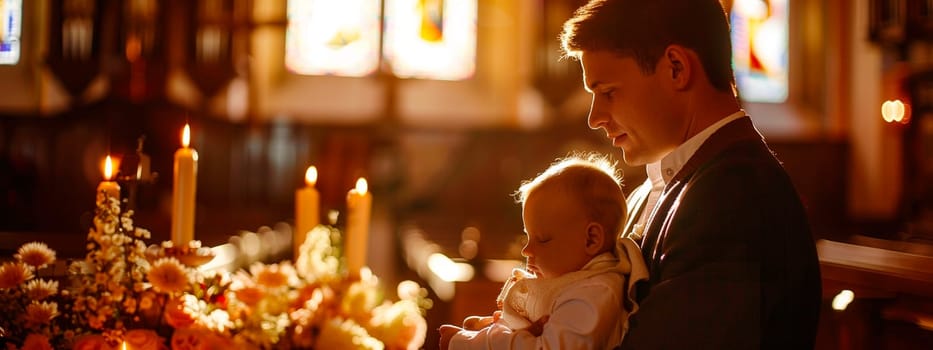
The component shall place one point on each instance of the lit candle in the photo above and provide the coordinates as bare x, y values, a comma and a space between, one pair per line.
108, 187
124, 345
186, 175
359, 207
306, 209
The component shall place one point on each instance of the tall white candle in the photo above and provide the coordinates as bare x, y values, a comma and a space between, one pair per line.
307, 214
108, 187
183, 191
359, 208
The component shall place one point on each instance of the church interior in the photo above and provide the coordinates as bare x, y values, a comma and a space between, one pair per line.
444, 107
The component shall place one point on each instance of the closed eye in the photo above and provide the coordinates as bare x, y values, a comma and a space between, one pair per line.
609, 93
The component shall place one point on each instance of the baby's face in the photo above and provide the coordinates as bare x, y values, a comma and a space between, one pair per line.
556, 228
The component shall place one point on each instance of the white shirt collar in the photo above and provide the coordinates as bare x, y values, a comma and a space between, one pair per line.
661, 172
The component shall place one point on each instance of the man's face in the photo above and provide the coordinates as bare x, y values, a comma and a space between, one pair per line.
556, 227
636, 111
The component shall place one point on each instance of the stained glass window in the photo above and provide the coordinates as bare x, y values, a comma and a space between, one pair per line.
333, 37
12, 13
432, 39
759, 49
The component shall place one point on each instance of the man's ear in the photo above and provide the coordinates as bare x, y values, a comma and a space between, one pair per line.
595, 238
677, 64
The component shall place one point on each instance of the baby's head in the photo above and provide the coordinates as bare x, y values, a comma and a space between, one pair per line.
572, 212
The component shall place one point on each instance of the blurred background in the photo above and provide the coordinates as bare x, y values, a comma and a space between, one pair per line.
445, 106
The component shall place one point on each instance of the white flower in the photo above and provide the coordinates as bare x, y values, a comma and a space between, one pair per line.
35, 254
317, 260
399, 325
39, 289
38, 314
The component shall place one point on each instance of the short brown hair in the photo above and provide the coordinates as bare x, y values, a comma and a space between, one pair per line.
642, 29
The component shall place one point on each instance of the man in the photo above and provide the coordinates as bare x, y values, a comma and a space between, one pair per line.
731, 260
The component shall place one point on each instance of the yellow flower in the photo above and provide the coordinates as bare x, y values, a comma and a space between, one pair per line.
38, 314
13, 274
39, 289
250, 295
346, 335
360, 299
35, 254
399, 325
273, 276
167, 275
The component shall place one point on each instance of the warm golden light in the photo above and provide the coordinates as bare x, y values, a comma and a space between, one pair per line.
186, 136
431, 39
361, 186
124, 345
842, 300
311, 176
893, 111
333, 37
449, 270
108, 168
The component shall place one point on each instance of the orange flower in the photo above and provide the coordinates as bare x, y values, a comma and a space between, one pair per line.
143, 339
250, 295
38, 314
36, 342
167, 275
13, 274
35, 254
175, 314
91, 342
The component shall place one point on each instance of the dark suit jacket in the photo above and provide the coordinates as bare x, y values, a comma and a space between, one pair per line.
731, 259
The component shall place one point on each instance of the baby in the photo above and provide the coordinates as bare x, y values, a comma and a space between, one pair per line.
575, 291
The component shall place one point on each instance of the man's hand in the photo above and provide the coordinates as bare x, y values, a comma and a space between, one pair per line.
447, 332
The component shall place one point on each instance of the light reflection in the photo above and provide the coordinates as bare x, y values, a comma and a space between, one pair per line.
448, 270
842, 300
332, 37
759, 49
11, 15
432, 39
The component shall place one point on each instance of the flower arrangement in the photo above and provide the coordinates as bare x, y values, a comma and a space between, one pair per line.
146, 298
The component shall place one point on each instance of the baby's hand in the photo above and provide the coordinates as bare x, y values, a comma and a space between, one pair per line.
475, 323
447, 332
537, 327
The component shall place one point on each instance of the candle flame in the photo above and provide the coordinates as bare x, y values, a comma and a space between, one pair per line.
186, 136
361, 186
108, 168
124, 345
311, 176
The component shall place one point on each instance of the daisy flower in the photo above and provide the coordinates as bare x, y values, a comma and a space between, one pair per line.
36, 254
273, 276
167, 275
13, 274
39, 289
38, 314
